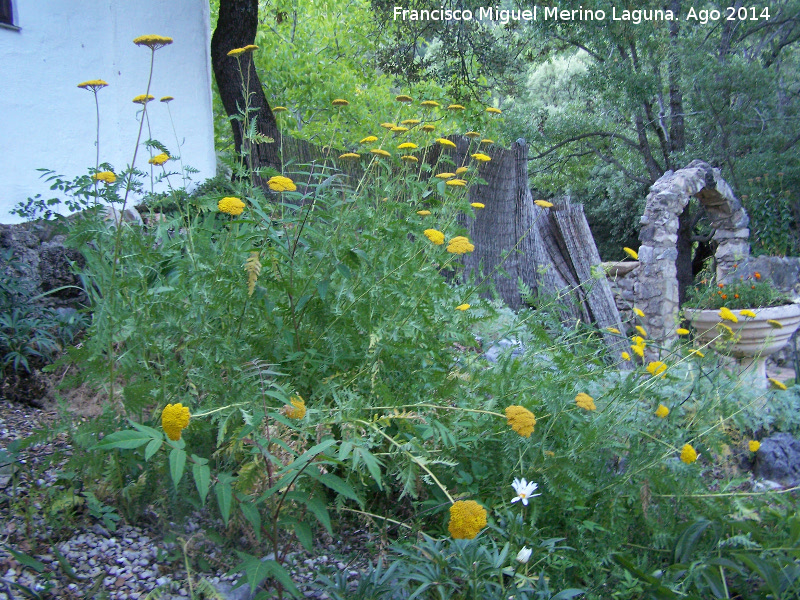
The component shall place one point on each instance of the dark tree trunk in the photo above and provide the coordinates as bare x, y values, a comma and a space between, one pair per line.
236, 28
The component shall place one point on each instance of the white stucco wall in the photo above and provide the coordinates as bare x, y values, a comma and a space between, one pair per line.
47, 121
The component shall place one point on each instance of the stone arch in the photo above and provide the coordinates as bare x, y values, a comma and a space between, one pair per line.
656, 287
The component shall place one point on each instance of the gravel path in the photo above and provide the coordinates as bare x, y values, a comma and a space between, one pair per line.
133, 560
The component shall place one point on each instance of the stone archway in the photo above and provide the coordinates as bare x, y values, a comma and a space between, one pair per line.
656, 287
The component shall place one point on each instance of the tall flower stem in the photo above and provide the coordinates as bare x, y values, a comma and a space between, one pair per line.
96, 142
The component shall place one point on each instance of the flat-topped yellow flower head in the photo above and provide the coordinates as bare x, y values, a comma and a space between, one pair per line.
688, 454
349, 156
446, 142
105, 176
279, 183
407, 146
403, 98
480, 157
435, 236
632, 253
520, 419
467, 518
585, 401
429, 104
493, 111
296, 409
231, 205
154, 42
143, 99
92, 84
159, 159
543, 203
459, 245
174, 419
340, 102
368, 140
662, 411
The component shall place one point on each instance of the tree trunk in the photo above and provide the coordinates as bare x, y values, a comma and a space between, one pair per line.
236, 28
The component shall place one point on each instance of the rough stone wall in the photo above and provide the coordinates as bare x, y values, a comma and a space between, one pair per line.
655, 288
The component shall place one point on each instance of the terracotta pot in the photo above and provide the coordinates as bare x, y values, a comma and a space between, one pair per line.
755, 338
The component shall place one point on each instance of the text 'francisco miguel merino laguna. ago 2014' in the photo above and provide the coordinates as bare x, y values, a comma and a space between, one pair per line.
553, 13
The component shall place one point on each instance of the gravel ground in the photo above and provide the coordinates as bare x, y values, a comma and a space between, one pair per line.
136, 558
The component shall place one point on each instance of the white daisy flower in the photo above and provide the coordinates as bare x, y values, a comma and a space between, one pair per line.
524, 490
524, 555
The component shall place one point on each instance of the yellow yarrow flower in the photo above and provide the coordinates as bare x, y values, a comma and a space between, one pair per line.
662, 411
398, 129
107, 176
477, 205
455, 107
638, 312
445, 175
92, 84
462, 307
159, 159
726, 314
166, 99
461, 170
613, 330
279, 109
543, 203
429, 104
480, 157
487, 141
296, 409
380, 152
747, 313
232, 206
642, 331
638, 350
778, 384
753, 445
174, 419
409, 158
340, 102
349, 156
388, 125
456, 182
279, 183
154, 42
143, 99
407, 146
632, 253
520, 419
775, 324
446, 142
410, 122
236, 52
459, 245
697, 353
682, 331
251, 48
688, 454
585, 401
423, 213
472, 134
428, 127
493, 111
435, 236
625, 356
656, 368
403, 98
368, 140
638, 340
467, 518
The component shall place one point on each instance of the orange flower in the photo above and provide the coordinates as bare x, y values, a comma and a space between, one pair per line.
720, 285
757, 275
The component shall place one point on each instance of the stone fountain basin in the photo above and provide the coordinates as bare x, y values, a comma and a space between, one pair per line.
756, 337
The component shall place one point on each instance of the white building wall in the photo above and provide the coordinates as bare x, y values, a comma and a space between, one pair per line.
47, 121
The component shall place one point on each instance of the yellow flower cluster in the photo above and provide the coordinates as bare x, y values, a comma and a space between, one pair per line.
279, 183
472, 134
244, 50
154, 42
349, 155
174, 419
409, 158
380, 152
143, 99
430, 104
753, 445
493, 111
92, 84
775, 324
456, 183
232, 206
407, 146
410, 122
166, 99
159, 159
461, 170
423, 213
340, 102
297, 410
682, 331
656, 368
585, 401
638, 346
481, 157
638, 312
688, 454
107, 176
459, 245
727, 315
445, 175
428, 127
487, 141
398, 129
446, 142
403, 98
368, 140
279, 109
435, 236
520, 419
455, 107
747, 313
543, 203
662, 411
632, 253
477, 205
462, 307
777, 384
467, 518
